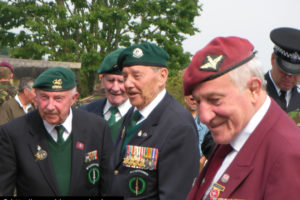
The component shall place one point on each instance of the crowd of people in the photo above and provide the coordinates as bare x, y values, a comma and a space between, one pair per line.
236, 138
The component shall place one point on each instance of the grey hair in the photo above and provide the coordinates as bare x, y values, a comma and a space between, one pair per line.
25, 83
241, 75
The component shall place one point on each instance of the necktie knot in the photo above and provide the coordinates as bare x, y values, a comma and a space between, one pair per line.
112, 119
60, 130
136, 116
223, 150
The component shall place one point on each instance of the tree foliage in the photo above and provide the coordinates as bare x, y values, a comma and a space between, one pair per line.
86, 31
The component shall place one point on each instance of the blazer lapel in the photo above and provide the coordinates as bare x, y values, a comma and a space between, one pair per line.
78, 140
242, 165
38, 146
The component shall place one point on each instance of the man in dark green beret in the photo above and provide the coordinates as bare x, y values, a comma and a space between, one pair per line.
156, 154
55, 150
116, 104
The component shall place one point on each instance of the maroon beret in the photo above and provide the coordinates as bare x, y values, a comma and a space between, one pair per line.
6, 64
218, 57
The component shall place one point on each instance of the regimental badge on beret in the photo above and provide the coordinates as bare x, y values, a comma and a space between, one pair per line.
137, 53
212, 63
57, 83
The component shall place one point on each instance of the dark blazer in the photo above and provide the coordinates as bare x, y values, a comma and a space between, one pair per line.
19, 167
171, 130
267, 166
95, 106
295, 99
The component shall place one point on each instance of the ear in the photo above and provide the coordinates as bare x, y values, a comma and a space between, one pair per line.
255, 88
273, 60
164, 74
75, 97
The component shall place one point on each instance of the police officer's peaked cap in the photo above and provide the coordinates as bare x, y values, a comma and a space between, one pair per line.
287, 49
55, 79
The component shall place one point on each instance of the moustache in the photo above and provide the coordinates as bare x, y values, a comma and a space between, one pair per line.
50, 111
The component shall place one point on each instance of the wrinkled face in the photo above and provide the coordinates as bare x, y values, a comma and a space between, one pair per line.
54, 107
281, 79
114, 89
223, 107
190, 102
143, 83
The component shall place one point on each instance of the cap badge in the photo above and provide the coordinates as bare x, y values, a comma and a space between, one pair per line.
295, 57
57, 84
137, 53
212, 63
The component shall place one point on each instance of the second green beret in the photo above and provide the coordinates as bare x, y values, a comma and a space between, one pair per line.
147, 54
55, 79
109, 65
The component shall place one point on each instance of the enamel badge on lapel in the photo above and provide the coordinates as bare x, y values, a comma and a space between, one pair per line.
216, 190
40, 154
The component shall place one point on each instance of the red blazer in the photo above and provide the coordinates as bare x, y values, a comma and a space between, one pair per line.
268, 165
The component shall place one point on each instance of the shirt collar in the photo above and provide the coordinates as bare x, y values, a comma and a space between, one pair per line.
28, 106
67, 124
241, 139
123, 108
145, 112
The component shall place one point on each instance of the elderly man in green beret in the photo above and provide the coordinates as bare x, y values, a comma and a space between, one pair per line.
156, 153
116, 104
55, 150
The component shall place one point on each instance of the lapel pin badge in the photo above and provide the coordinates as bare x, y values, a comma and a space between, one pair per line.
40, 154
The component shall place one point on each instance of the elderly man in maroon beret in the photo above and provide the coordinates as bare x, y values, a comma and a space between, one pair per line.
257, 155
7, 90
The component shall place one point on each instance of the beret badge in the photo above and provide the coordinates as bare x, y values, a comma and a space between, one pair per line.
212, 63
57, 84
137, 53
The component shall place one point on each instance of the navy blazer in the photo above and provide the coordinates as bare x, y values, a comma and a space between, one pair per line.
171, 130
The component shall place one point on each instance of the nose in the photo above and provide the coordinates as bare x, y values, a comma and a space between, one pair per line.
128, 83
50, 104
115, 87
205, 112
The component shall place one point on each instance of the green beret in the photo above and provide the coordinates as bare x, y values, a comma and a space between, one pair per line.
55, 79
147, 54
109, 65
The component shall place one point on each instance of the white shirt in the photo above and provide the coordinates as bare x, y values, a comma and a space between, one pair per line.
122, 110
67, 124
28, 106
145, 112
240, 140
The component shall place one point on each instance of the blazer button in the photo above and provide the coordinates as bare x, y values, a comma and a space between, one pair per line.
116, 172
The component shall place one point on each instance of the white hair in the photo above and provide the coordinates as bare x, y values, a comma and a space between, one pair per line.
241, 75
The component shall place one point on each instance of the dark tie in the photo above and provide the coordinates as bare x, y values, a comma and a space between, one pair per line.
136, 116
60, 130
213, 167
283, 99
112, 119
